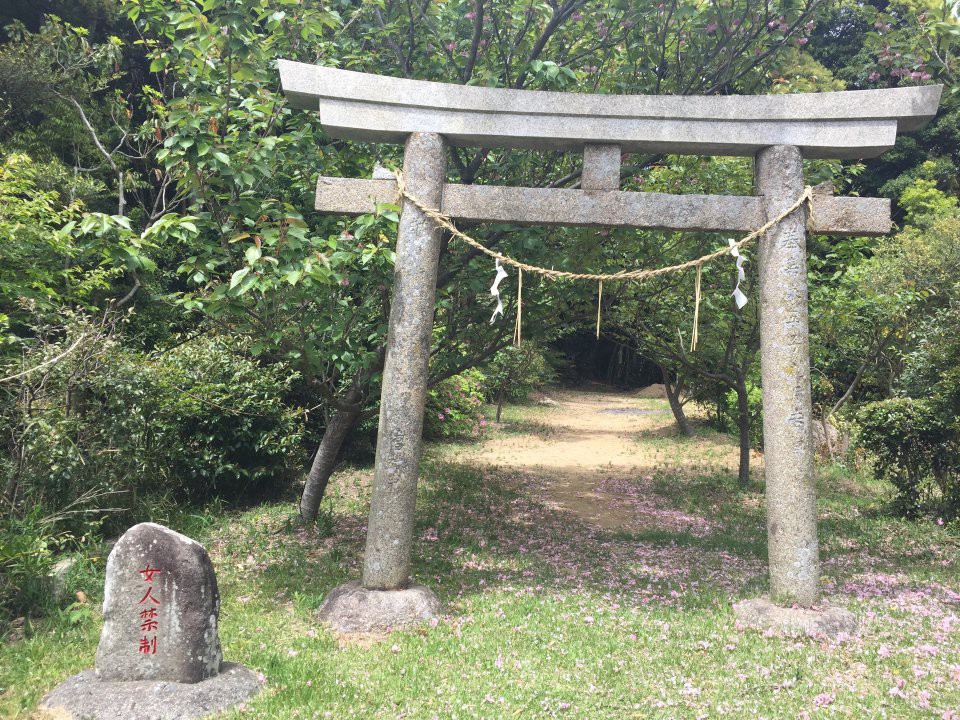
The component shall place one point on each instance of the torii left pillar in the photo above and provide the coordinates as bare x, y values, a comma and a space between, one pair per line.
385, 598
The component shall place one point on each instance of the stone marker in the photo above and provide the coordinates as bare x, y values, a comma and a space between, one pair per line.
160, 609
159, 654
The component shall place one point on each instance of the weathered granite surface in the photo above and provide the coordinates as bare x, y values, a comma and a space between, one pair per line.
352, 608
761, 614
386, 563
160, 609
785, 375
601, 167
362, 106
84, 697
612, 208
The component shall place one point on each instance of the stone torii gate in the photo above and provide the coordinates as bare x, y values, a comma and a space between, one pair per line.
777, 130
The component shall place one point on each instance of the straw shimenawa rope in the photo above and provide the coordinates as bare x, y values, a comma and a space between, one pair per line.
643, 274
637, 275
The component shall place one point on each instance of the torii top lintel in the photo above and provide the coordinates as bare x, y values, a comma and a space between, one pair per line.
841, 125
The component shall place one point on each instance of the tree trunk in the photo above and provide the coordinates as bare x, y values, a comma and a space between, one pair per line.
743, 423
324, 462
499, 403
673, 390
825, 424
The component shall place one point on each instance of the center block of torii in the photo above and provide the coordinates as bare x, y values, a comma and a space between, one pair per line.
778, 131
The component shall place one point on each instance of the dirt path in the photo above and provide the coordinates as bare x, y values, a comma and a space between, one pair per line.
597, 452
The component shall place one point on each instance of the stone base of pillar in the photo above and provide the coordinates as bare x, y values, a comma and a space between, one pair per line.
762, 614
352, 608
84, 697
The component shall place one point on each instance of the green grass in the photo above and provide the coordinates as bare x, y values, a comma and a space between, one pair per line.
548, 617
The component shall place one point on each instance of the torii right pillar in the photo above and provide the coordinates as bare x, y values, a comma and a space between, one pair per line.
785, 370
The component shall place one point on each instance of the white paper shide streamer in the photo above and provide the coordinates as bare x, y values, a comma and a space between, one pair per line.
738, 295
495, 291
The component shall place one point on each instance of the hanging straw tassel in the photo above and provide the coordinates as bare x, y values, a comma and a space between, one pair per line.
516, 334
599, 300
696, 311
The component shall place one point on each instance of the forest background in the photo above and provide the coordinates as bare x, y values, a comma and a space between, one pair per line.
179, 328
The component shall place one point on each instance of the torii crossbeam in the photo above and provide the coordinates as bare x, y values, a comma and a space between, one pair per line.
777, 130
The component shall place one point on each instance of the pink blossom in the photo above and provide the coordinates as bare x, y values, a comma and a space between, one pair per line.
440, 416
897, 690
824, 699
471, 15
451, 46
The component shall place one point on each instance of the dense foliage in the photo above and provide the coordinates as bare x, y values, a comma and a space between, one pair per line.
914, 447
455, 407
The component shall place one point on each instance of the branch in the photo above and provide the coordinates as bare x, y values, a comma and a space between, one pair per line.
867, 361
46, 363
133, 291
475, 43
121, 202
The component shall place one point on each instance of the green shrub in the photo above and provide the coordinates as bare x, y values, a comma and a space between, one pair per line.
455, 407
915, 448
108, 435
515, 371
198, 422
730, 412
30, 544
27, 547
